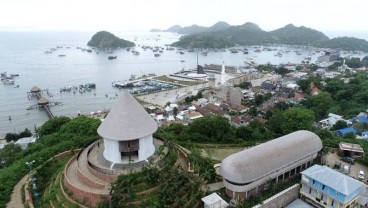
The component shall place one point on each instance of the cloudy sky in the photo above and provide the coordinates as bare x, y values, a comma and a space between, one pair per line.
324, 15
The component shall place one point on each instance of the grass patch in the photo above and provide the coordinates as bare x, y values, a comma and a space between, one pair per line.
180, 82
221, 153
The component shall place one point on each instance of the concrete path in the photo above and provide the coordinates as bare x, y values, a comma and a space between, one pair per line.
16, 197
215, 186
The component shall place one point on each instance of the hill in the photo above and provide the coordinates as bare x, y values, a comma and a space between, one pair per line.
194, 29
292, 35
252, 34
105, 39
346, 43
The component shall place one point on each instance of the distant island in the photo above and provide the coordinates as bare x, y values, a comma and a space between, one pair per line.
104, 39
223, 35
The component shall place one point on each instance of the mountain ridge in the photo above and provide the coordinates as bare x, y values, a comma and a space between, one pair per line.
251, 34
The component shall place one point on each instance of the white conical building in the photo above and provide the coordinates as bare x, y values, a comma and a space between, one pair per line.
127, 132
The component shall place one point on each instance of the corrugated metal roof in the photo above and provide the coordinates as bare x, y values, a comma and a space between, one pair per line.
333, 179
127, 120
254, 163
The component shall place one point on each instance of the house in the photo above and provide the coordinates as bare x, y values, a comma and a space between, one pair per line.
214, 201
191, 116
365, 135
325, 187
342, 132
351, 150
268, 85
332, 120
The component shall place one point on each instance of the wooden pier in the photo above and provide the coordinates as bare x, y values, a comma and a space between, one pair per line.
42, 101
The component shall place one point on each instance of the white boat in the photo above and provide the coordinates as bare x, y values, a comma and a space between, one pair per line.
8, 81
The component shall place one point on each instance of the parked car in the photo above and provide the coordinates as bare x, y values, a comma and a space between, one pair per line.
348, 160
346, 170
361, 175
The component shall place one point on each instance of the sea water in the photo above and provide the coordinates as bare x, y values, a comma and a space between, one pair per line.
23, 53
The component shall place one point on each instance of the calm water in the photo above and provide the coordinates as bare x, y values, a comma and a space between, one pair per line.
23, 53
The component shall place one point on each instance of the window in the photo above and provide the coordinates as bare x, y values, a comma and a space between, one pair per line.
314, 181
322, 197
323, 187
310, 190
332, 203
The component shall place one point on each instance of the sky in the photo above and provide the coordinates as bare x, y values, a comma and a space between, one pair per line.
130, 15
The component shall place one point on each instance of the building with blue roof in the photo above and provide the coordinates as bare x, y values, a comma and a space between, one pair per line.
342, 132
362, 119
365, 135
326, 187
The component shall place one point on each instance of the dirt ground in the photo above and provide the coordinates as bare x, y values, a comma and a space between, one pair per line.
331, 158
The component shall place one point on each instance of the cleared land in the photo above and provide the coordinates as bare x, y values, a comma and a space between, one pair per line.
180, 82
221, 153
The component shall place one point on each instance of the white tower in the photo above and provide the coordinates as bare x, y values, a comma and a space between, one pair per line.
223, 74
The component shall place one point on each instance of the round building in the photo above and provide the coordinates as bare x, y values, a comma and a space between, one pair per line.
251, 171
127, 132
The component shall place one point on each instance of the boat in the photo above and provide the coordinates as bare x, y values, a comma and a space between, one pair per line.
182, 60
62, 55
17, 86
157, 54
10, 118
234, 50
136, 53
8, 81
112, 57
204, 53
181, 52
14, 75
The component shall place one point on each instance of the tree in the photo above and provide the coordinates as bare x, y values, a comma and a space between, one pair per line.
253, 111
304, 85
175, 111
295, 119
259, 99
244, 85
10, 153
339, 125
52, 125
320, 104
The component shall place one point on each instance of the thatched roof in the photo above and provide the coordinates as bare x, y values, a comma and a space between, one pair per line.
35, 89
43, 101
127, 120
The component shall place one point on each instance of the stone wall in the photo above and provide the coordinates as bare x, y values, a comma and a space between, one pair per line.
102, 176
88, 181
281, 199
82, 195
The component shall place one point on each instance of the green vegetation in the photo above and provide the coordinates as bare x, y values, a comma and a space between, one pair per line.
345, 43
190, 99
15, 137
251, 34
244, 85
65, 134
107, 40
346, 99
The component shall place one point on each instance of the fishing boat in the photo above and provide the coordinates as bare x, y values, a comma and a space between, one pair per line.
112, 57
157, 54
8, 81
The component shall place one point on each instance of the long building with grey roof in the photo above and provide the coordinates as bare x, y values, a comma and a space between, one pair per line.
251, 171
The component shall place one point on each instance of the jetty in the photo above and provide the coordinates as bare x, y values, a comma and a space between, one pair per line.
42, 102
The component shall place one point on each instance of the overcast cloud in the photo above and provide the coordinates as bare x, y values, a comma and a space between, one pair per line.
324, 15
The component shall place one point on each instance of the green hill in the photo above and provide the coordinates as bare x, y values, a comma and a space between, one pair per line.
346, 43
292, 35
252, 34
105, 39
